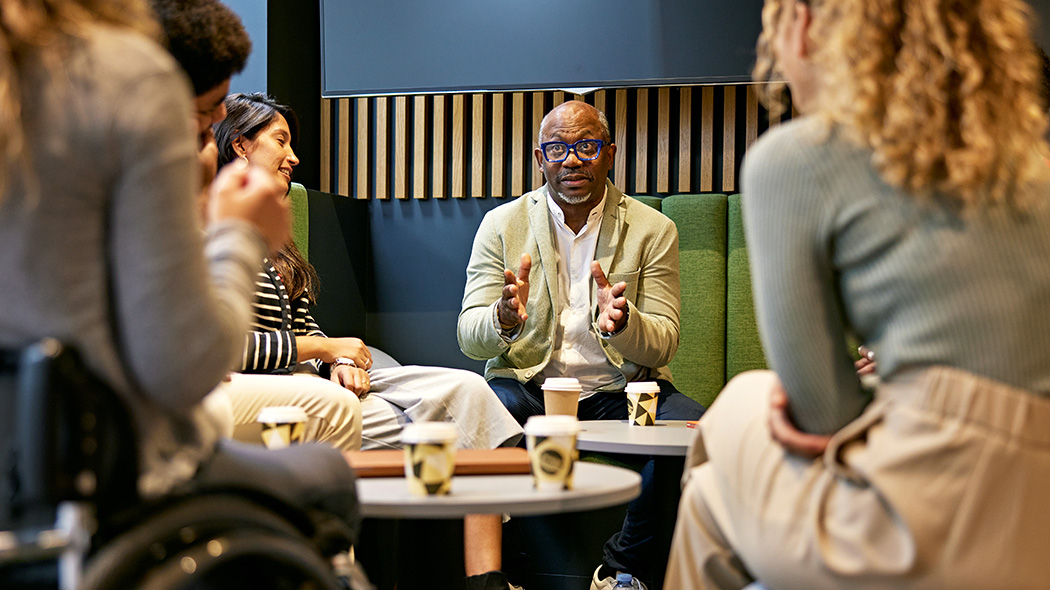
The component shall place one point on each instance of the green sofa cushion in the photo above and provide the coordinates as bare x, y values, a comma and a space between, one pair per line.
300, 218
743, 347
699, 366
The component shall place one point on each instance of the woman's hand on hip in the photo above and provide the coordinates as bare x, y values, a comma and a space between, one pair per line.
784, 431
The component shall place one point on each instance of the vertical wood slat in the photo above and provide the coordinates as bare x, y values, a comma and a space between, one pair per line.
751, 123
440, 164
707, 139
599, 102
363, 140
517, 163
498, 163
729, 140
685, 144
641, 142
559, 97
620, 163
663, 139
537, 116
458, 147
419, 148
382, 149
477, 147
401, 147
326, 145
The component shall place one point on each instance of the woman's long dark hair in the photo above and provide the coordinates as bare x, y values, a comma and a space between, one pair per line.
246, 116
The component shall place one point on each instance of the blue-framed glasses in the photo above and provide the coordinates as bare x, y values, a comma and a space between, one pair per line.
557, 151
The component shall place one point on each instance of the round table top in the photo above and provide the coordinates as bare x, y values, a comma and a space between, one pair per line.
594, 486
666, 437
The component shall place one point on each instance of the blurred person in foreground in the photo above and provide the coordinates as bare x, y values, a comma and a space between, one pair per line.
101, 246
906, 206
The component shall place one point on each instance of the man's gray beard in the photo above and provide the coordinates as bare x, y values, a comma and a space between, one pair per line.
573, 200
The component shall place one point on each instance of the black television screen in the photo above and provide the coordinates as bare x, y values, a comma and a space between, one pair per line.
420, 46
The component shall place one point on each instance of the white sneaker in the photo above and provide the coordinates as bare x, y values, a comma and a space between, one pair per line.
608, 582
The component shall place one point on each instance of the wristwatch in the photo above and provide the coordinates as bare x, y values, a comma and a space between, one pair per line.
342, 360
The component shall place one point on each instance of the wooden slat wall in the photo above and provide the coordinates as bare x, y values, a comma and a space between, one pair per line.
481, 145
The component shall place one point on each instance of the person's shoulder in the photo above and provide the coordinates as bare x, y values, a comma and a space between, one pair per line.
515, 208
808, 150
121, 53
788, 143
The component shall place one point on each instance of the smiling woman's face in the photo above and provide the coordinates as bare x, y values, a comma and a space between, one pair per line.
271, 149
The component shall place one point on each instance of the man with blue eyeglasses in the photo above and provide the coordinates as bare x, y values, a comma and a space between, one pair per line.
601, 305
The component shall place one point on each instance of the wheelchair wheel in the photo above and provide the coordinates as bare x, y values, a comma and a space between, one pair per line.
244, 560
161, 540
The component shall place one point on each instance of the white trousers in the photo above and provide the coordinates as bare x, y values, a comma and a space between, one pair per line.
941, 483
398, 395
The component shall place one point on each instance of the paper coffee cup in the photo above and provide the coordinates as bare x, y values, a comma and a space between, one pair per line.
430, 457
561, 395
641, 402
282, 426
551, 441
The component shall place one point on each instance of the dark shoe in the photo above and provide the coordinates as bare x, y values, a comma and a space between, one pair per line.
495, 580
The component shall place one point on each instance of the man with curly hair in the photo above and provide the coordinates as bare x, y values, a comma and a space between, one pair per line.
210, 43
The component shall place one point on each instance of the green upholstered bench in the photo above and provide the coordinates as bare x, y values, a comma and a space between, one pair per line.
719, 337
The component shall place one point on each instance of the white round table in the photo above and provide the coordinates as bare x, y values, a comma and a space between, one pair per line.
594, 486
665, 438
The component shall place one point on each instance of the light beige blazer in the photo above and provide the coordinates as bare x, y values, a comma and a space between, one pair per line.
636, 244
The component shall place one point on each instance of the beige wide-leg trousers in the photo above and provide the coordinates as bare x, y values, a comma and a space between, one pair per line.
942, 483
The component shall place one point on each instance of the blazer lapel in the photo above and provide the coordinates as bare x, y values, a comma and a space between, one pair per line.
613, 229
539, 220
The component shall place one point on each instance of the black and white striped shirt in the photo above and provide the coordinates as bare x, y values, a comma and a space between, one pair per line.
270, 345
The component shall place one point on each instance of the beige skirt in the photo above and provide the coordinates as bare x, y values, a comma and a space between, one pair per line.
941, 483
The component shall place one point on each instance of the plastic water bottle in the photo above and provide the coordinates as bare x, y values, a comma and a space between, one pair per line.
625, 581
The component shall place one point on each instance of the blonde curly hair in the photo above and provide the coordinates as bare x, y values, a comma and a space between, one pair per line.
42, 30
946, 94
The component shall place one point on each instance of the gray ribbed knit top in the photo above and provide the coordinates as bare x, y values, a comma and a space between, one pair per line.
110, 258
834, 249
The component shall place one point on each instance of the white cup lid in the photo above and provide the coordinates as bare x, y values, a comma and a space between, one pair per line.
643, 387
428, 432
562, 384
281, 414
552, 425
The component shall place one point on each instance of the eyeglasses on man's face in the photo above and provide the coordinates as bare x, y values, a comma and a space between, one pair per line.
557, 151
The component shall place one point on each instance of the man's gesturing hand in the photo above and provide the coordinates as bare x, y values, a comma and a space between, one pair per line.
611, 302
511, 307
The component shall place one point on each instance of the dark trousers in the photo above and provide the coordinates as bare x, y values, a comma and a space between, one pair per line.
629, 549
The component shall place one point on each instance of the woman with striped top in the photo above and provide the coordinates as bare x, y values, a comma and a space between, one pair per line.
364, 397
